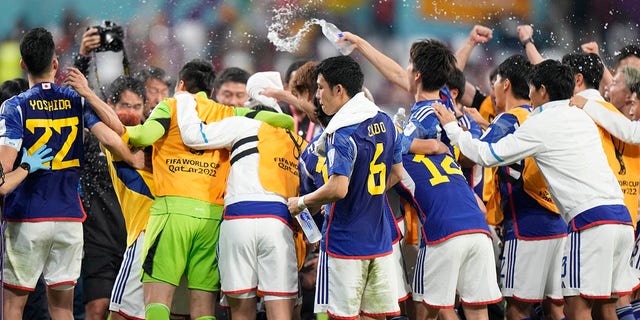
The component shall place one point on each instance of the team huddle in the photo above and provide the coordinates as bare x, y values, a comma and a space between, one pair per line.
209, 191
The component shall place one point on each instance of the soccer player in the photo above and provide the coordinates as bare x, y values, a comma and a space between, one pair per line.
363, 159
456, 253
134, 189
534, 232
196, 209
256, 251
566, 147
43, 214
105, 235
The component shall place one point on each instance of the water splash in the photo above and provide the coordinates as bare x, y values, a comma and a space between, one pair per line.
280, 29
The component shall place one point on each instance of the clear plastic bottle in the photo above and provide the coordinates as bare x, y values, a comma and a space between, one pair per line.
309, 226
400, 118
333, 34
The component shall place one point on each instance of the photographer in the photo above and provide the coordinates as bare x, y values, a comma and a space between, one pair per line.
104, 228
108, 37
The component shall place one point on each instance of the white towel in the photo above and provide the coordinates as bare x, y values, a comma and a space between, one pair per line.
356, 110
260, 81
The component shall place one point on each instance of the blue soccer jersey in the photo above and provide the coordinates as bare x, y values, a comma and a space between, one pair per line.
313, 174
445, 203
357, 226
529, 212
55, 116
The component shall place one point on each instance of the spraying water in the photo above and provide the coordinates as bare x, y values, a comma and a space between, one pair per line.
280, 29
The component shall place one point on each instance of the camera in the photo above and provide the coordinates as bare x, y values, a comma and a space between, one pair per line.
111, 37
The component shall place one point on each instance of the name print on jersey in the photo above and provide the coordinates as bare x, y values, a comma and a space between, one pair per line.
376, 128
50, 105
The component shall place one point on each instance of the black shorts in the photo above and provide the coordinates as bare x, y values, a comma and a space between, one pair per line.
99, 271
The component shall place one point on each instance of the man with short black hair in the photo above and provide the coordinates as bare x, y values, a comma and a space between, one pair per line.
188, 218
363, 160
157, 84
44, 215
628, 55
566, 147
534, 232
230, 87
105, 236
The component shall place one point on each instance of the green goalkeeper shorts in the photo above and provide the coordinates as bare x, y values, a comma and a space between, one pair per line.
182, 238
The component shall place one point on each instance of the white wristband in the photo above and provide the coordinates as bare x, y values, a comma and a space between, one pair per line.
301, 203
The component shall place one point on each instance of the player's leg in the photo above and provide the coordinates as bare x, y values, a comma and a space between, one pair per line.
597, 267
473, 312
238, 266
164, 260
242, 308
517, 309
127, 297
477, 283
279, 308
62, 269
346, 282
604, 309
202, 303
60, 303
577, 307
202, 266
180, 306
553, 309
14, 302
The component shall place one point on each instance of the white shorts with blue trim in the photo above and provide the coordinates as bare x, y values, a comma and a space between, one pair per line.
462, 264
532, 269
127, 297
596, 262
347, 288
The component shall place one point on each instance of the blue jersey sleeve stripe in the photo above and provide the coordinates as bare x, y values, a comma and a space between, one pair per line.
494, 153
204, 136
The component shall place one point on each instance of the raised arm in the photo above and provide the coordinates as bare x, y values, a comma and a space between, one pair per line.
525, 34
77, 81
479, 34
428, 146
607, 77
90, 41
275, 119
387, 66
112, 141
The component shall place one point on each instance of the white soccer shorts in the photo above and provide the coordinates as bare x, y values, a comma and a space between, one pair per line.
51, 248
347, 288
464, 263
257, 255
532, 269
596, 262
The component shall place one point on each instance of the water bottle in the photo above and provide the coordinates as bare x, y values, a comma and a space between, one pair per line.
309, 226
400, 118
333, 34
